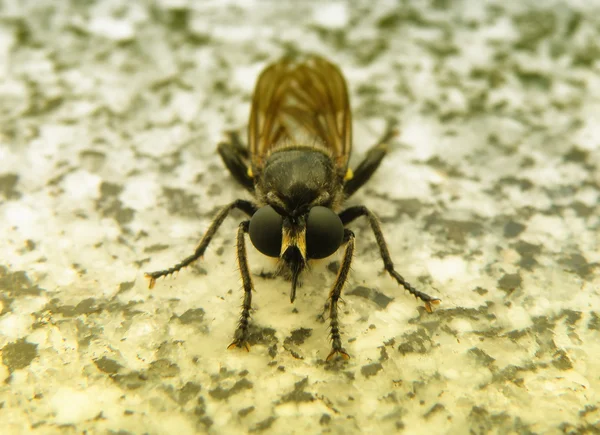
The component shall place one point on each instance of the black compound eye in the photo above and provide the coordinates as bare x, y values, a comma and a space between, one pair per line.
265, 231
324, 232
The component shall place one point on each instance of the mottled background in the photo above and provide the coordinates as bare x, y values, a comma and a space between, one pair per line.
110, 112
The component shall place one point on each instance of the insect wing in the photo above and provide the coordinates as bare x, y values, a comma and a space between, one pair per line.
294, 101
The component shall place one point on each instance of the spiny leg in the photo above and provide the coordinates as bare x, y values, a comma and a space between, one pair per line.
243, 205
235, 158
240, 337
334, 296
351, 214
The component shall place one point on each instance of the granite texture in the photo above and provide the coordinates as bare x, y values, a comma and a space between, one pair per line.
110, 112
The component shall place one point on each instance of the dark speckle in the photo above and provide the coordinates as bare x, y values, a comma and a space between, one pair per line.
454, 230
273, 350
187, 392
124, 286
579, 265
17, 283
245, 411
444, 166
587, 410
582, 210
562, 361
527, 162
334, 266
298, 336
8, 182
263, 425
409, 206
155, 248
459, 231
509, 282
361, 291
87, 306
571, 316
181, 203
512, 373
594, 323
383, 355
163, 368
19, 354
380, 299
222, 394
434, 410
480, 419
364, 292
527, 251
371, 369
298, 394
325, 419
264, 336
109, 204
576, 155
193, 315
523, 183
415, 342
107, 365
92, 160
481, 357
131, 381
214, 190
200, 411
200, 408
513, 229
480, 291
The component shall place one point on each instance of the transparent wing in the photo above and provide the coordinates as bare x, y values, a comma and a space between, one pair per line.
304, 102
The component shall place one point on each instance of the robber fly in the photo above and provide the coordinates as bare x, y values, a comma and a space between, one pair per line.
296, 167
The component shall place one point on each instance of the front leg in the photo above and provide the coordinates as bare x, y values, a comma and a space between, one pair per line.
240, 338
352, 213
243, 205
334, 296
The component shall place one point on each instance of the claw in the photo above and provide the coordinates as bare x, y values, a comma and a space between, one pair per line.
239, 345
428, 304
151, 279
337, 352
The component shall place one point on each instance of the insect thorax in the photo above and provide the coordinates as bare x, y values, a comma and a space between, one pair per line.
301, 177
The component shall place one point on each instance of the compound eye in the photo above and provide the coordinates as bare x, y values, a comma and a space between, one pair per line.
324, 232
265, 230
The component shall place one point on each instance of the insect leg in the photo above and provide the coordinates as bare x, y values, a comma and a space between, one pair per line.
334, 296
235, 158
243, 205
370, 163
240, 338
351, 214
236, 142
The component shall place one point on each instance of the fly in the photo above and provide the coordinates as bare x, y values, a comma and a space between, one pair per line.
296, 167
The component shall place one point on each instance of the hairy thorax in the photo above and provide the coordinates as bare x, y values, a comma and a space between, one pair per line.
302, 177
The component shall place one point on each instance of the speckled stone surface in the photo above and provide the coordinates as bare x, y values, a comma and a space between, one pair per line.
110, 112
